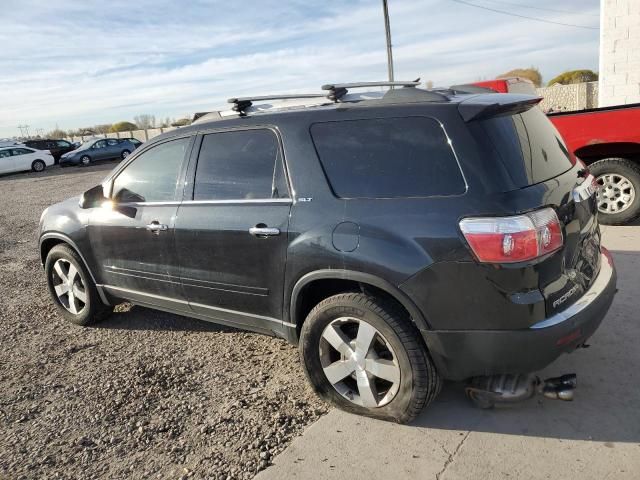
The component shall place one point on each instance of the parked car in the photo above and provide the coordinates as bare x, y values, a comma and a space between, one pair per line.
96, 150
134, 141
56, 147
607, 140
398, 238
19, 159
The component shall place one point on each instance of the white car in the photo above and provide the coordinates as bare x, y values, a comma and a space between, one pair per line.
18, 158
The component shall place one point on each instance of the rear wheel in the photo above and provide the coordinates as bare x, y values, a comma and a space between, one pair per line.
85, 160
71, 287
363, 355
619, 190
125, 154
38, 166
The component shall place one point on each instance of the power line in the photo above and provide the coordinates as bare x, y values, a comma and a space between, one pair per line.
531, 7
543, 20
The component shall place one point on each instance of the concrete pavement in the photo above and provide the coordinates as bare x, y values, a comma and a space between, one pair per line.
595, 437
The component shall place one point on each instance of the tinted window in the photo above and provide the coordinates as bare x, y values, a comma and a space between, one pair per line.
5, 153
112, 142
100, 144
240, 165
21, 151
387, 158
520, 150
63, 144
152, 176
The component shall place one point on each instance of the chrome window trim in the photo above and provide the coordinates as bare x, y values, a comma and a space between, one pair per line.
256, 201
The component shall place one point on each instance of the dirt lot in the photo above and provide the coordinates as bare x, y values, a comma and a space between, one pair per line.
142, 395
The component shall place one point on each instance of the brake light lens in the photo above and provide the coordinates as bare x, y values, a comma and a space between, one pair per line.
513, 239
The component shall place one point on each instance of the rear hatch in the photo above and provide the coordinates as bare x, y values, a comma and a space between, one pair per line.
522, 148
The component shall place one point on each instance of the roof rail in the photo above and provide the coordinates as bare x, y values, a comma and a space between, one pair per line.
339, 90
241, 104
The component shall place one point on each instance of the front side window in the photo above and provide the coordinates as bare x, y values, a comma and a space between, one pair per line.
387, 158
240, 165
153, 175
111, 142
100, 144
63, 144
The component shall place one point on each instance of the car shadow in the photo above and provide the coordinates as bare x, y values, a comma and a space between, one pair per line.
607, 400
135, 317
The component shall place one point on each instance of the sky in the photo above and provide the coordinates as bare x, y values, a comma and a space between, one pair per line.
77, 63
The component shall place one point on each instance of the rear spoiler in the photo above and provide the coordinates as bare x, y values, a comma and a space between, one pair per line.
491, 105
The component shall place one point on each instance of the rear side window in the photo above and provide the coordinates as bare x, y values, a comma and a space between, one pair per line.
522, 149
387, 158
240, 165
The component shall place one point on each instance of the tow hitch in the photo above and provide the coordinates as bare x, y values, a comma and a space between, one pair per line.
486, 392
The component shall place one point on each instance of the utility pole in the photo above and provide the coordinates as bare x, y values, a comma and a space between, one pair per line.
385, 9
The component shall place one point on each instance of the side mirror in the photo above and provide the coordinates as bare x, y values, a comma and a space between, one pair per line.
94, 197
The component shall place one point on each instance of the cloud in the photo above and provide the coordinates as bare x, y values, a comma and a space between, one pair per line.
78, 63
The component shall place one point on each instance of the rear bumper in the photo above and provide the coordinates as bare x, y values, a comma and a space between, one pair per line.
461, 354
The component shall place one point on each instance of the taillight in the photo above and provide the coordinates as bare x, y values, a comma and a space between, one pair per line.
513, 239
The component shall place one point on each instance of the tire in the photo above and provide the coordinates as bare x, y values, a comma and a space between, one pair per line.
610, 171
38, 166
418, 384
85, 160
125, 154
90, 310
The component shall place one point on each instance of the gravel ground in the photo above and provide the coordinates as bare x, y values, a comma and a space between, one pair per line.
144, 394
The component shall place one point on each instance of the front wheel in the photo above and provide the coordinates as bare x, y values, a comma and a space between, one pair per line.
85, 160
364, 355
619, 190
38, 166
72, 288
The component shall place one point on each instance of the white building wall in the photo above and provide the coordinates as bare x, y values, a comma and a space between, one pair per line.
619, 52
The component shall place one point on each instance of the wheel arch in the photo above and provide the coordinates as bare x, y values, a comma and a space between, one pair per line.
600, 151
315, 286
50, 240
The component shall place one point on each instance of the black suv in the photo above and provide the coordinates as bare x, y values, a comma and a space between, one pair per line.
56, 147
399, 238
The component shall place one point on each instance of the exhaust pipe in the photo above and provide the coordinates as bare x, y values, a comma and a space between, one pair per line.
486, 392
560, 388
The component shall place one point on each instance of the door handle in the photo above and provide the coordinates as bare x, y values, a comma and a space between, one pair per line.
263, 232
157, 227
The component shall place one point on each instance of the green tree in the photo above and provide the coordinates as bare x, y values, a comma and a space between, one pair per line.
181, 122
531, 73
102, 128
574, 76
57, 133
123, 127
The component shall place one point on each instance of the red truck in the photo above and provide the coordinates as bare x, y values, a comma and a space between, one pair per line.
607, 140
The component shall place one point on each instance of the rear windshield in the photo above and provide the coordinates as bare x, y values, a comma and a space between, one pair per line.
525, 148
387, 158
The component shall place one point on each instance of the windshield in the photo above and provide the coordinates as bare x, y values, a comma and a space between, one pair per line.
86, 145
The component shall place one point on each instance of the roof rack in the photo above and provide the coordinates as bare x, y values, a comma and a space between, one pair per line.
339, 90
241, 104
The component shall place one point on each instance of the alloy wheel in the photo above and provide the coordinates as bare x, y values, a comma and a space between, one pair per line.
616, 193
69, 287
359, 362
